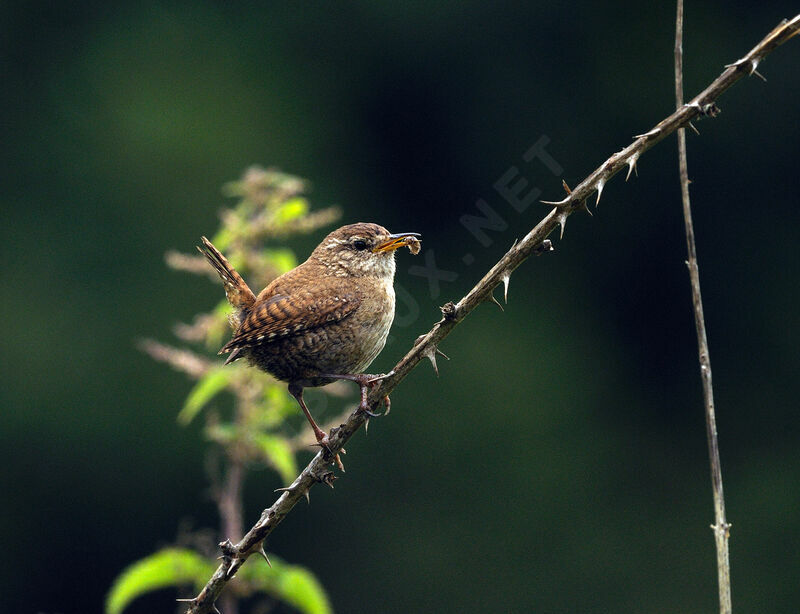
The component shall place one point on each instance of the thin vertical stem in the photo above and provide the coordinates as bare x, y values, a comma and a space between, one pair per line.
229, 504
721, 527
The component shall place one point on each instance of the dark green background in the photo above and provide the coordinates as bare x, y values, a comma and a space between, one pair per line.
559, 463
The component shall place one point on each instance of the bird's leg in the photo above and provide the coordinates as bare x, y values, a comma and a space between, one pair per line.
297, 392
365, 381
322, 439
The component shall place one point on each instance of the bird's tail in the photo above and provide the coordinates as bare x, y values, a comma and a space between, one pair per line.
238, 292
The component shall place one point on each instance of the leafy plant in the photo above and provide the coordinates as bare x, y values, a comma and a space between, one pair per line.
270, 207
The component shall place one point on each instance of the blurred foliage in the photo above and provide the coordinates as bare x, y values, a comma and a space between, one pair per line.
270, 207
181, 567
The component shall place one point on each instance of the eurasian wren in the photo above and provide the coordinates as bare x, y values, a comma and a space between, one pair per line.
324, 320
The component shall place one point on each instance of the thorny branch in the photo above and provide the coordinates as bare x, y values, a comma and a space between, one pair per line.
721, 527
319, 469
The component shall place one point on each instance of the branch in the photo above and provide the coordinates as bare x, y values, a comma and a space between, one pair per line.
721, 527
318, 470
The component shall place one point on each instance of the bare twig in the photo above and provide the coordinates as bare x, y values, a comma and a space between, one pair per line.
721, 527
318, 470
181, 360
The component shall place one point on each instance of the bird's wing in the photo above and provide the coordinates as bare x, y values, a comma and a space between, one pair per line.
287, 314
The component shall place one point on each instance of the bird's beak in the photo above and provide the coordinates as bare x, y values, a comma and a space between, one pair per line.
393, 242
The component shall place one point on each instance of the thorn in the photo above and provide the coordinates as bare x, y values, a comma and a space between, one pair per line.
264, 554
506, 280
308, 496
696, 131
649, 133
585, 207
566, 187
737, 63
600, 185
632, 165
759, 75
214, 609
514, 243
496, 302
430, 354
557, 203
562, 220
383, 376
193, 599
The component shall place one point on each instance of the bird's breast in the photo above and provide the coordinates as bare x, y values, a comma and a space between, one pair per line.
373, 320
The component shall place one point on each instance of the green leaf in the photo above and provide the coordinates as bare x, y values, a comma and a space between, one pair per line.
169, 567
292, 584
291, 210
278, 453
209, 386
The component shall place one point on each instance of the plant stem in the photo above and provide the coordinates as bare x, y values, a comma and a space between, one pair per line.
721, 527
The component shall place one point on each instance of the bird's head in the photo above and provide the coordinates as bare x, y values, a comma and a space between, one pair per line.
362, 250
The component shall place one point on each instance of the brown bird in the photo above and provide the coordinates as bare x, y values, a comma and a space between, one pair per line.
324, 320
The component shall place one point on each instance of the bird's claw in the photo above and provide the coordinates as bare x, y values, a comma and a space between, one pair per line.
365, 381
365, 407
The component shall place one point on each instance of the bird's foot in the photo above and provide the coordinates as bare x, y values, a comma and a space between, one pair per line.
365, 381
370, 382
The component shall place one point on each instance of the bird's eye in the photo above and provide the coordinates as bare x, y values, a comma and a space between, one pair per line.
360, 244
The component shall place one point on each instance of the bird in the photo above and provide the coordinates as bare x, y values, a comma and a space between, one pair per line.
325, 320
